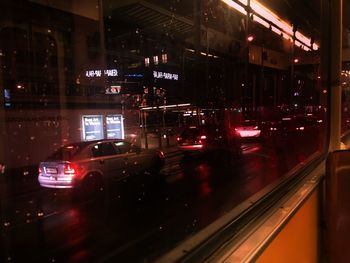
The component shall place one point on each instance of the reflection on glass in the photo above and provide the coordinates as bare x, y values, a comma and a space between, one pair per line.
129, 126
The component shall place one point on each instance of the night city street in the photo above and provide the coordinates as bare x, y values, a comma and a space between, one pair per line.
56, 227
136, 130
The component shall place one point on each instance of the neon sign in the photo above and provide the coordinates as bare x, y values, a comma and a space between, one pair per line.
97, 73
165, 75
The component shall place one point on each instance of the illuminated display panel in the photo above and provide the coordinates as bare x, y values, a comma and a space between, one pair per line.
92, 127
115, 126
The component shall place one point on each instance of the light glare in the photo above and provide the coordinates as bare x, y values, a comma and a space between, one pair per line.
280, 27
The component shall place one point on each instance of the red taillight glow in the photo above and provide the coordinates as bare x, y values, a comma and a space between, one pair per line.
245, 132
69, 169
203, 137
250, 38
192, 147
161, 155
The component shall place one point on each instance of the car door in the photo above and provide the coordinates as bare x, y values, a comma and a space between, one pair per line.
131, 163
107, 159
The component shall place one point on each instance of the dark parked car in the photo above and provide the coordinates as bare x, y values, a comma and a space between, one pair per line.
209, 138
295, 129
89, 164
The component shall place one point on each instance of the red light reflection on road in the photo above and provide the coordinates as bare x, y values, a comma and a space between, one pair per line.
204, 176
262, 168
79, 256
76, 232
205, 188
251, 148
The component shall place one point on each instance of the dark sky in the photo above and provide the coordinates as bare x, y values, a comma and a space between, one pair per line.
308, 15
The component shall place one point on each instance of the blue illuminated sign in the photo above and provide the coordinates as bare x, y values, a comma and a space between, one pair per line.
134, 75
7, 97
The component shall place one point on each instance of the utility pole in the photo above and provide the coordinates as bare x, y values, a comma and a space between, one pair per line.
3, 124
292, 89
246, 62
335, 65
197, 17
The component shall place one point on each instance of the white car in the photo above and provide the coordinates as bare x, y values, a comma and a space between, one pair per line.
89, 164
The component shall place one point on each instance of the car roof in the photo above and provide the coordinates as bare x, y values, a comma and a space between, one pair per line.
205, 126
87, 143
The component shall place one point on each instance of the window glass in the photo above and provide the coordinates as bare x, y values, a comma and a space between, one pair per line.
65, 153
103, 149
123, 147
219, 105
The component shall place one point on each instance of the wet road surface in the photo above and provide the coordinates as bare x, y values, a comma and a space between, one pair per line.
133, 221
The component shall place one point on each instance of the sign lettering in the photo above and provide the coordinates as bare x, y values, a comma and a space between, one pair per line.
165, 75
97, 73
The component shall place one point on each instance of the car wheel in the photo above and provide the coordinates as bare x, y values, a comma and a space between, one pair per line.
156, 166
154, 170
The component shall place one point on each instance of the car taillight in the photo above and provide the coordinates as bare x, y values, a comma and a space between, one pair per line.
178, 138
70, 169
203, 137
161, 155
